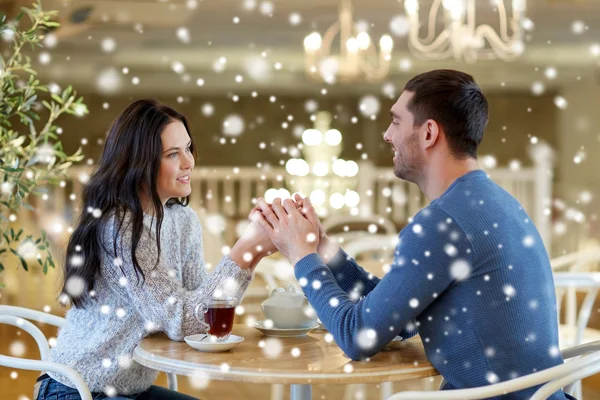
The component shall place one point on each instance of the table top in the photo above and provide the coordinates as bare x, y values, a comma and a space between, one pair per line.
302, 360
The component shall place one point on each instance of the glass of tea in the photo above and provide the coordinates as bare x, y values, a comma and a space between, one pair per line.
217, 315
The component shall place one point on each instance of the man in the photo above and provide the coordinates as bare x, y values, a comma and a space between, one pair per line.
470, 272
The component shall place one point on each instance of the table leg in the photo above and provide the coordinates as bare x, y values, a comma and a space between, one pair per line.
300, 392
172, 381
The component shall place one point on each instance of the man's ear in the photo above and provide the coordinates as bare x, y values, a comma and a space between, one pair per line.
432, 133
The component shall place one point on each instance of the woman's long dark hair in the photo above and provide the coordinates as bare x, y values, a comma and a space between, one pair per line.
129, 163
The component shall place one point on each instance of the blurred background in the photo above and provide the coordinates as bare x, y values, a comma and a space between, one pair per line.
286, 96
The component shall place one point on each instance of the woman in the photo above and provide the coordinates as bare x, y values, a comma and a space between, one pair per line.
135, 262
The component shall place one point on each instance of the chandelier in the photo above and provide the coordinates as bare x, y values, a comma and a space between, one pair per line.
328, 180
461, 37
358, 58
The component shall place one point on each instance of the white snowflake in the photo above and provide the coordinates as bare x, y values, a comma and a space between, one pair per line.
17, 349
460, 269
199, 380
110, 391
366, 338
450, 250
492, 377
509, 290
272, 348
150, 326
528, 241
533, 304
125, 361
417, 229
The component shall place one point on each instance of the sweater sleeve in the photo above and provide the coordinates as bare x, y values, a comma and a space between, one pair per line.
350, 276
160, 298
427, 260
194, 267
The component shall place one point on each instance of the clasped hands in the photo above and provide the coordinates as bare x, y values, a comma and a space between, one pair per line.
293, 228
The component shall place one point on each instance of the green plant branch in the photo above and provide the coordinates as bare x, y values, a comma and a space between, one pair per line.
33, 160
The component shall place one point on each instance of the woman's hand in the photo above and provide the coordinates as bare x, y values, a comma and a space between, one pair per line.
253, 245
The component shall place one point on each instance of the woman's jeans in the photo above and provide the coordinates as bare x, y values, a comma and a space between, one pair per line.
49, 389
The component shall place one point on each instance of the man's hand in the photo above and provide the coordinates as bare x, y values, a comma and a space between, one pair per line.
327, 247
290, 231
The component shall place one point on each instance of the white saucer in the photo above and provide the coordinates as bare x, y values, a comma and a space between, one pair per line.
202, 342
278, 332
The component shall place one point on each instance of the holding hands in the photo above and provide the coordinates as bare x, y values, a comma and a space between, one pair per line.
294, 235
293, 228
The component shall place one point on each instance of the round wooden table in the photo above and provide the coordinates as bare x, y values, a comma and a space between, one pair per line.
317, 361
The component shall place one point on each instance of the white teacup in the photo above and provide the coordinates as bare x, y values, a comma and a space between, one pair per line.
289, 309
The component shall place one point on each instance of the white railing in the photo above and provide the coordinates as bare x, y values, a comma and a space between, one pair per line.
229, 191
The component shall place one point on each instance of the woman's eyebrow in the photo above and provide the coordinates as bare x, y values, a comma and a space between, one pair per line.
176, 148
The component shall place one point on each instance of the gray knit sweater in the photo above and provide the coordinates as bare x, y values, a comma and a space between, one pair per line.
98, 341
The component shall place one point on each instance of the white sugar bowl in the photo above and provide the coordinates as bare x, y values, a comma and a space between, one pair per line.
289, 309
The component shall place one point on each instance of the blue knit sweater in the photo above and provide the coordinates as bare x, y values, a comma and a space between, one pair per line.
470, 275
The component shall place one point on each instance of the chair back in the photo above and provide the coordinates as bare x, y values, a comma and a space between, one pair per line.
584, 361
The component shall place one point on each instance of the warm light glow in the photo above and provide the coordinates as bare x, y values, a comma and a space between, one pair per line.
317, 197
270, 195
351, 198
352, 45
462, 36
456, 8
386, 44
411, 6
320, 168
356, 60
312, 42
333, 137
351, 168
297, 167
336, 200
339, 167
519, 5
312, 137
364, 41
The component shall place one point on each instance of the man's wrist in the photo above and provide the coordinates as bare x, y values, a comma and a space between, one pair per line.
299, 255
328, 248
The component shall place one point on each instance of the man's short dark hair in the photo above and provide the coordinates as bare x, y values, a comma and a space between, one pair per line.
455, 102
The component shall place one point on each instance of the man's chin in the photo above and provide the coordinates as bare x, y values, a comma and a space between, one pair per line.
401, 174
